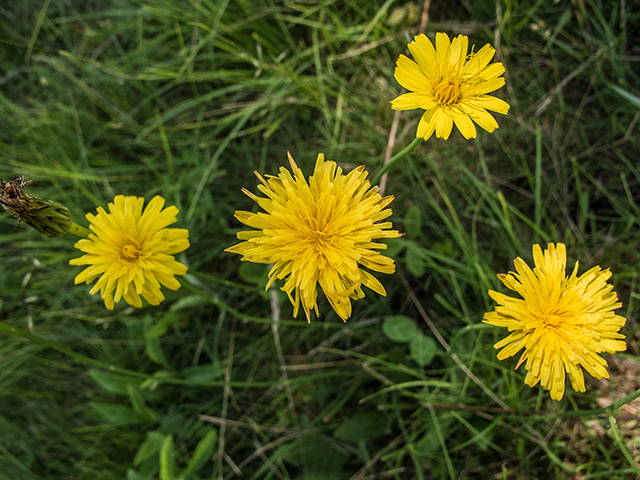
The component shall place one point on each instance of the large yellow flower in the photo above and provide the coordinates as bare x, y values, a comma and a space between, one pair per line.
319, 233
450, 85
561, 322
132, 251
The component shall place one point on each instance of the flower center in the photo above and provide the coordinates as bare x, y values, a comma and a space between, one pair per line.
130, 252
552, 319
447, 92
319, 239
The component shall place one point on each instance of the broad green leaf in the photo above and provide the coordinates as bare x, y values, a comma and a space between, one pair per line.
413, 223
154, 351
133, 475
253, 273
399, 328
203, 452
139, 404
394, 246
117, 414
203, 373
190, 301
404, 15
414, 262
150, 447
152, 344
428, 444
423, 349
316, 454
167, 459
483, 10
160, 328
113, 382
363, 426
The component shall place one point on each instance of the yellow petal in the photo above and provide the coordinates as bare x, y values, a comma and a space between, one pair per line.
427, 124
410, 76
443, 49
409, 101
459, 47
490, 103
483, 118
444, 123
464, 124
425, 55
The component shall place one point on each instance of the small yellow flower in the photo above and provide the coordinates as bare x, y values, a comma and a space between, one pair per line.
131, 251
319, 233
450, 85
562, 322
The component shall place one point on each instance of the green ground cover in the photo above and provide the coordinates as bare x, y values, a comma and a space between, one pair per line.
185, 99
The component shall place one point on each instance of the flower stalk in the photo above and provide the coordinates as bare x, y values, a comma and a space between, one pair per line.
79, 231
393, 160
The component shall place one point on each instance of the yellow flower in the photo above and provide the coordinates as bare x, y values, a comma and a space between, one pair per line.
132, 251
561, 322
450, 85
319, 233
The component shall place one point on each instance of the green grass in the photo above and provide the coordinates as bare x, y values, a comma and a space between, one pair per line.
186, 99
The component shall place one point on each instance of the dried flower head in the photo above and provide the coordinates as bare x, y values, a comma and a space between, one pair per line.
45, 216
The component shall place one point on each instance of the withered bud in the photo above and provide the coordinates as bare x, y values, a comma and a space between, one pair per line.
49, 218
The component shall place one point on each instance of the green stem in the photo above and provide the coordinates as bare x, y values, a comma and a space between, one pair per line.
161, 376
403, 153
621, 445
79, 231
4, 328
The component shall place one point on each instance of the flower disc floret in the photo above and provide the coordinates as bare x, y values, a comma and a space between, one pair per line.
131, 250
562, 322
450, 85
319, 233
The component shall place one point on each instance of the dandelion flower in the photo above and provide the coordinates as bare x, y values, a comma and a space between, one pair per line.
319, 233
450, 85
132, 251
562, 322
